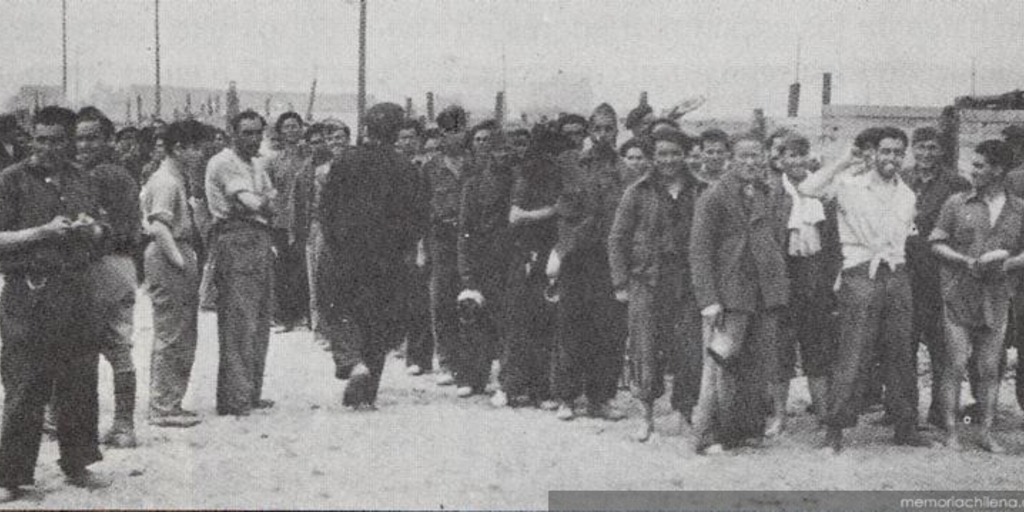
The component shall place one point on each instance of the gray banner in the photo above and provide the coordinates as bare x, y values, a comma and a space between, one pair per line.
786, 500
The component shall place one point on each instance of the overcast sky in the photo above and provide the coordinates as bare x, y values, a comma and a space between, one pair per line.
672, 48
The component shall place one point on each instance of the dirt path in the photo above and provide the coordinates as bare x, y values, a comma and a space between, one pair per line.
425, 448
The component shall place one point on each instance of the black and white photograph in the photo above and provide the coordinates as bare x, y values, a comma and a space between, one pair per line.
512, 254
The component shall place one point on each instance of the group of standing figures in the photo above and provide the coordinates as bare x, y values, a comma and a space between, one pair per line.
573, 262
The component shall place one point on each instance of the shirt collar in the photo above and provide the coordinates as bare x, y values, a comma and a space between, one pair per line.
973, 195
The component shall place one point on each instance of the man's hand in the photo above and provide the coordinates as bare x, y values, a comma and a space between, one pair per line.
713, 314
622, 296
59, 226
554, 267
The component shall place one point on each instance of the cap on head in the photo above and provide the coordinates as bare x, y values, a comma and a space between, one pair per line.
604, 113
452, 119
637, 115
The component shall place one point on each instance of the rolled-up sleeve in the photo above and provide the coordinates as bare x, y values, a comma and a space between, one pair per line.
946, 223
160, 201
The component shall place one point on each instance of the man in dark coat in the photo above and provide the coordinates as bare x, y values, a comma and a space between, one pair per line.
368, 212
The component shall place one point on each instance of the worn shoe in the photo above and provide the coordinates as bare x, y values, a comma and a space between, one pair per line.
990, 445
445, 379
464, 392
86, 479
358, 387
178, 411
565, 412
499, 399
548, 405
263, 403
414, 370
176, 421
605, 411
120, 435
774, 428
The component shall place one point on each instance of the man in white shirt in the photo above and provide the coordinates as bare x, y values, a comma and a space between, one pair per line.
876, 215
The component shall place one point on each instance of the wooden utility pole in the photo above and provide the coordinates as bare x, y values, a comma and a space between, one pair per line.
156, 23
64, 47
361, 99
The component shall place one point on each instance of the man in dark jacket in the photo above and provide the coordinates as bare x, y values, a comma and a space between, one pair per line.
591, 324
647, 251
932, 183
368, 213
739, 277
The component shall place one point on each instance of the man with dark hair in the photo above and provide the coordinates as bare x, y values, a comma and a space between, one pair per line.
482, 260
452, 119
172, 276
239, 197
979, 237
447, 175
574, 127
419, 352
648, 249
813, 259
591, 323
368, 212
715, 150
290, 281
639, 119
11, 151
529, 320
128, 152
876, 216
933, 184
739, 278
49, 236
112, 278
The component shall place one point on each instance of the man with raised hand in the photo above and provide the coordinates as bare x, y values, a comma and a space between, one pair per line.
876, 216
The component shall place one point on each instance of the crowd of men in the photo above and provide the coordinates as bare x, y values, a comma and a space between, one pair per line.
575, 262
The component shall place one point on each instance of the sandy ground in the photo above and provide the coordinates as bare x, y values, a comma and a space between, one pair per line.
426, 448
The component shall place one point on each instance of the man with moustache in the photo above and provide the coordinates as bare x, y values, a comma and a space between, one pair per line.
876, 216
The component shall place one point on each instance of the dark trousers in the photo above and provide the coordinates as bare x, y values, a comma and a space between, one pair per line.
291, 284
444, 290
733, 399
175, 296
49, 347
528, 328
243, 266
664, 335
419, 337
354, 342
479, 333
874, 315
928, 322
591, 330
808, 321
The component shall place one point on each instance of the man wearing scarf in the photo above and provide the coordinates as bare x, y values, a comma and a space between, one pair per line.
591, 324
812, 259
739, 277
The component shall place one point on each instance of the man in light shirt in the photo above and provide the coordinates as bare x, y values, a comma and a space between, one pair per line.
876, 215
239, 197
